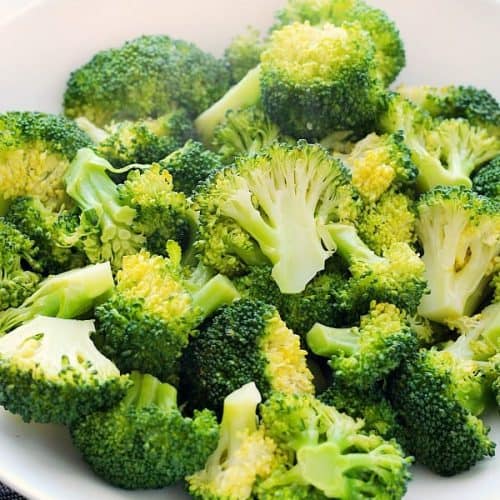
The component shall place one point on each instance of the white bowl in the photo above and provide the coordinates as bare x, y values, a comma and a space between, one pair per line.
447, 41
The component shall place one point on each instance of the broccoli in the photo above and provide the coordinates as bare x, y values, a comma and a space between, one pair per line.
361, 356
243, 455
35, 152
145, 441
330, 451
389, 55
50, 372
397, 277
446, 152
436, 395
146, 77
486, 181
243, 53
147, 322
190, 165
140, 141
245, 131
244, 342
49, 231
17, 256
66, 295
282, 199
460, 235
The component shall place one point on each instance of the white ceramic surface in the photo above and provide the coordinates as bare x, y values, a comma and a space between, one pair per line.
447, 41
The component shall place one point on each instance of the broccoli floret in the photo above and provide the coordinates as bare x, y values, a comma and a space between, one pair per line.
146, 77
361, 356
446, 152
190, 165
397, 277
17, 257
50, 372
145, 441
428, 332
66, 295
437, 395
317, 79
243, 456
487, 180
460, 235
49, 231
331, 452
389, 55
244, 132
243, 53
244, 342
142, 141
35, 152
147, 322
281, 199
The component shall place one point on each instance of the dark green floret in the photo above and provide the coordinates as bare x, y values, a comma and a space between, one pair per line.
145, 441
244, 342
146, 77
331, 451
147, 322
50, 372
487, 180
67, 295
460, 236
190, 166
35, 152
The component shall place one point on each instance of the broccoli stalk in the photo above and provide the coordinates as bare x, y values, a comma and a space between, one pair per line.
67, 295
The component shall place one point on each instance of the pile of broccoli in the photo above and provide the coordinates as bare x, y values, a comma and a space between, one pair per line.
264, 276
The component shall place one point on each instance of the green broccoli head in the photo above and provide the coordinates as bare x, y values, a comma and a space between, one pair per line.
244, 454
243, 53
281, 200
487, 180
361, 356
146, 77
142, 141
51, 372
67, 295
17, 255
245, 341
35, 152
460, 235
148, 321
318, 438
49, 231
389, 55
190, 166
436, 395
317, 79
145, 441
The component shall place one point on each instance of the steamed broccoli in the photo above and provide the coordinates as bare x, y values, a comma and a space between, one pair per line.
243, 456
361, 356
330, 451
35, 152
190, 165
389, 54
146, 77
66, 295
147, 322
140, 141
244, 342
51, 372
145, 441
460, 235
282, 200
487, 180
17, 259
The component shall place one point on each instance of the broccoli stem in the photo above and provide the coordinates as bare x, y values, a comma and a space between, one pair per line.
148, 390
328, 341
243, 94
95, 133
216, 292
